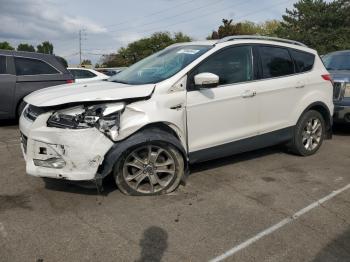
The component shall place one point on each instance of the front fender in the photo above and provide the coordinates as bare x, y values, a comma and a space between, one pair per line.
141, 137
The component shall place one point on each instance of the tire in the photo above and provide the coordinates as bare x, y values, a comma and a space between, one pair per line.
309, 134
152, 168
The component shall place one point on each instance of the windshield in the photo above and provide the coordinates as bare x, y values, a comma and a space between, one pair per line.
161, 65
339, 61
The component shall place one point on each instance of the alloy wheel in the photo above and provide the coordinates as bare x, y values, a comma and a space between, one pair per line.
312, 134
149, 169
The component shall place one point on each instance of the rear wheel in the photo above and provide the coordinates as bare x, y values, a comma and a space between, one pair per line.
149, 169
309, 134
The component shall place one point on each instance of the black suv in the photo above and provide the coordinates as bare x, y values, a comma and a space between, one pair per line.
24, 72
338, 65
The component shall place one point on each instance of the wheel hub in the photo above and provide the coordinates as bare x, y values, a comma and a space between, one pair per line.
149, 169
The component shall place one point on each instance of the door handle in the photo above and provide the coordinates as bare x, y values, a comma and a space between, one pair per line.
301, 86
248, 94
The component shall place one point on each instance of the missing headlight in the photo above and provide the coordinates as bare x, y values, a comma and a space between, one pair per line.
104, 117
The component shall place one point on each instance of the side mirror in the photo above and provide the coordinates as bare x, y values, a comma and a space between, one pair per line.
206, 80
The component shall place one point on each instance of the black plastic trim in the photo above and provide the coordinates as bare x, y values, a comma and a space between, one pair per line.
244, 145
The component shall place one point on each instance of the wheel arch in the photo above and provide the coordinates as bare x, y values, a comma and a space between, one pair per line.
324, 111
158, 131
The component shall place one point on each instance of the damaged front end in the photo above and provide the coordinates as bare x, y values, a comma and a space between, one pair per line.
69, 143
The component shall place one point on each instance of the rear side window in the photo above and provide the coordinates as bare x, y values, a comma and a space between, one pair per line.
28, 66
276, 62
304, 61
81, 74
2, 64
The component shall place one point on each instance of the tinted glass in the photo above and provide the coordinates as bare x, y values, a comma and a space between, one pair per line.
80, 74
232, 65
276, 62
28, 66
337, 61
303, 61
2, 64
161, 65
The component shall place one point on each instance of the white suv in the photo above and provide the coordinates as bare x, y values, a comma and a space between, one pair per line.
190, 102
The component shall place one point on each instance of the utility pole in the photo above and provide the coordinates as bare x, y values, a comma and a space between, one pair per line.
80, 40
79, 47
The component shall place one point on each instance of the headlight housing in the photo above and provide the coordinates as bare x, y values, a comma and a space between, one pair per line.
105, 117
347, 90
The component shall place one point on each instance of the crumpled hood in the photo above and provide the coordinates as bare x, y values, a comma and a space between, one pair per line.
87, 92
340, 75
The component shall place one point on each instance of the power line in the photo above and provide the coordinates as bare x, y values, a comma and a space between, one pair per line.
218, 11
168, 17
152, 14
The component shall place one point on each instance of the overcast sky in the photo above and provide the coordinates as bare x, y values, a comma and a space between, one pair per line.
110, 24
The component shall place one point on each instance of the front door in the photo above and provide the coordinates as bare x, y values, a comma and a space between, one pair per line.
226, 113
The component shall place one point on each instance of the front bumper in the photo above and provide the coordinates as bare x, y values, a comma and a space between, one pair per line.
71, 154
342, 113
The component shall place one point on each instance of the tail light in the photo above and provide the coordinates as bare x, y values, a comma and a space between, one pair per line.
327, 77
70, 81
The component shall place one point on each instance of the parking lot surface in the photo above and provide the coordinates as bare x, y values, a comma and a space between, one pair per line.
224, 203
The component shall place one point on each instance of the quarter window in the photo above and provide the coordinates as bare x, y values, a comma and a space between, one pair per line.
303, 61
2, 64
276, 62
80, 74
232, 65
28, 66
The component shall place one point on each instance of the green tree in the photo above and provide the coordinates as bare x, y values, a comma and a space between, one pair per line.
322, 25
142, 48
229, 28
6, 45
86, 62
45, 48
25, 47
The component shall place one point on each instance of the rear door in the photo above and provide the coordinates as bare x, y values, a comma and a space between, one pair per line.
7, 86
35, 73
280, 88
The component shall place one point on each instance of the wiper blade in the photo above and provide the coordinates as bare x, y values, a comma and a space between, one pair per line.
118, 81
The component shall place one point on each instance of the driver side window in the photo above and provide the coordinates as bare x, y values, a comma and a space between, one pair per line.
232, 65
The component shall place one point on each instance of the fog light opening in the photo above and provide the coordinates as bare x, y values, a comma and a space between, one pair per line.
54, 162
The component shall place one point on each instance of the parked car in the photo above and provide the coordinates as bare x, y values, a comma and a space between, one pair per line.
24, 72
110, 71
338, 64
189, 103
84, 75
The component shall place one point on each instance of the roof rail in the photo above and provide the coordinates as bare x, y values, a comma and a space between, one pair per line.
259, 37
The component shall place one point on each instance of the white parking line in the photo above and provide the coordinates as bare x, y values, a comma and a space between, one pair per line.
280, 224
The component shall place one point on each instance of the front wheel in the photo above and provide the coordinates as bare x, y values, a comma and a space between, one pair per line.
149, 169
309, 134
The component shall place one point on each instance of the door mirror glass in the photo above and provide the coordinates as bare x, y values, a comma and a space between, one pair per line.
206, 80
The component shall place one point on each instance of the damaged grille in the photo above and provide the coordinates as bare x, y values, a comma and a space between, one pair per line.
338, 90
32, 112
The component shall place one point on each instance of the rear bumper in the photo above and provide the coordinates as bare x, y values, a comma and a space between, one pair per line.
342, 113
